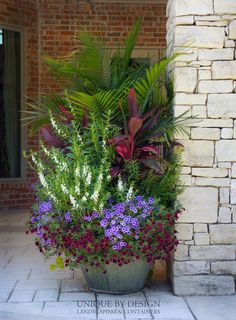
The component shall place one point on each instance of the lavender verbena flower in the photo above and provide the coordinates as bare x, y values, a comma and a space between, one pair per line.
103, 223
132, 208
87, 218
126, 229
122, 244
144, 216
134, 222
67, 216
138, 198
45, 207
95, 214
116, 247
151, 200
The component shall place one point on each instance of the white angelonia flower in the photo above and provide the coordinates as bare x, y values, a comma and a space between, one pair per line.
56, 126
64, 188
129, 193
101, 206
42, 180
45, 150
64, 166
84, 198
73, 202
77, 189
77, 171
95, 195
89, 178
100, 177
85, 170
120, 185
103, 143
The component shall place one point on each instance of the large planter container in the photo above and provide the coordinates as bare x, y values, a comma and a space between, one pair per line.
118, 280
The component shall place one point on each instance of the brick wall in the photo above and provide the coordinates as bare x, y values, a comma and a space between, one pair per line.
22, 14
53, 24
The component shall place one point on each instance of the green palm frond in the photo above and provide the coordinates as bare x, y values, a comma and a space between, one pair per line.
149, 89
36, 114
100, 103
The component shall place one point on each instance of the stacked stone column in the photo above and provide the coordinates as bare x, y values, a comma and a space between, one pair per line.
205, 87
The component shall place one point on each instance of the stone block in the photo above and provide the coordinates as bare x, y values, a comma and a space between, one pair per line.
190, 99
229, 44
223, 233
191, 267
224, 195
185, 180
184, 20
185, 231
223, 267
200, 227
207, 18
233, 172
234, 214
226, 133
187, 7
220, 23
216, 54
214, 182
221, 105
185, 79
199, 111
215, 86
201, 205
224, 215
179, 110
224, 70
181, 252
226, 150
201, 239
205, 134
196, 35
213, 123
225, 165
198, 153
204, 74
185, 170
203, 285
210, 172
232, 30
212, 252
225, 7
233, 191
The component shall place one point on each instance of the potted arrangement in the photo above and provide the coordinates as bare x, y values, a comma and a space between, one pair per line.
108, 176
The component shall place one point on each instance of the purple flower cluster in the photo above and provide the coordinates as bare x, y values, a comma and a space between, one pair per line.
123, 219
41, 216
67, 216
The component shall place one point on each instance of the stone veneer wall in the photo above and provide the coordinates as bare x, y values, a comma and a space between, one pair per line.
205, 86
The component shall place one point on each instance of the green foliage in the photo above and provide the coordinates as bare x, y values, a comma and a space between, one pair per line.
167, 186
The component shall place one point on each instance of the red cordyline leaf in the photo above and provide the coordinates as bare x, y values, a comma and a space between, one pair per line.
114, 171
67, 113
123, 151
134, 125
50, 139
132, 102
149, 149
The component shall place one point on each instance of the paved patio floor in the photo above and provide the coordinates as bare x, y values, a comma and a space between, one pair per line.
30, 291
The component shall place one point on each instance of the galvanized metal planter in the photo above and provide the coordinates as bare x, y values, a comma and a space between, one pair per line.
118, 280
